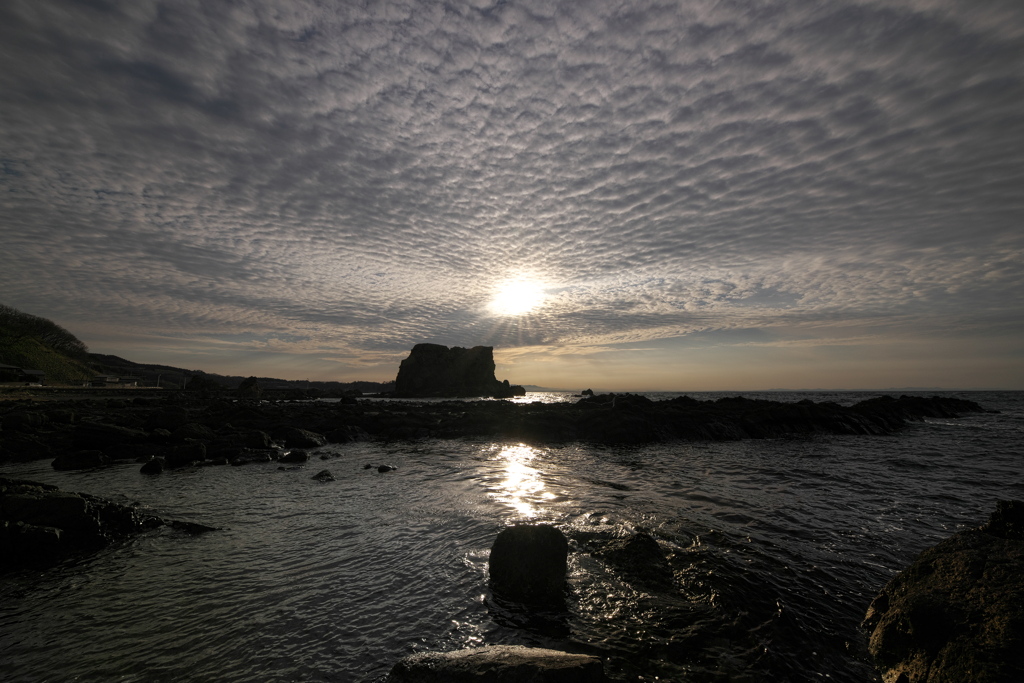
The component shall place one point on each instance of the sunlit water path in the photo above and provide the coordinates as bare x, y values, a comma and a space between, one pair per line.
783, 544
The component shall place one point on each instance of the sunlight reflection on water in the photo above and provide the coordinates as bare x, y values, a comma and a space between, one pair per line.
522, 488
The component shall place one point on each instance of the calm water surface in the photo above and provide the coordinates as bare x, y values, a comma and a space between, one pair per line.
779, 544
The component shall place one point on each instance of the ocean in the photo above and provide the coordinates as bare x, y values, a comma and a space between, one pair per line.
778, 546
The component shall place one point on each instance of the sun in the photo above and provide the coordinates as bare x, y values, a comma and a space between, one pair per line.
517, 297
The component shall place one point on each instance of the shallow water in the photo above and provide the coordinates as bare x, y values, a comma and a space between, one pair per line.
779, 545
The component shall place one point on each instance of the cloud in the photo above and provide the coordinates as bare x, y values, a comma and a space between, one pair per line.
360, 176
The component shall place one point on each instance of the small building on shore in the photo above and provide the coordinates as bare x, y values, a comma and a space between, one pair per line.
114, 381
20, 375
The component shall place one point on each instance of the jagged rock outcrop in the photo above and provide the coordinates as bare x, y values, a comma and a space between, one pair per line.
498, 664
957, 613
433, 370
41, 524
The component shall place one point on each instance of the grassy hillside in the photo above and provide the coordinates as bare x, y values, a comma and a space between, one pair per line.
29, 352
30, 342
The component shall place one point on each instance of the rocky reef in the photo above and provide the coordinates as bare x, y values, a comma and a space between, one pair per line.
957, 612
433, 370
182, 431
41, 524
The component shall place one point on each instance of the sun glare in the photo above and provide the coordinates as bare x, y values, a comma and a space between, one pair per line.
517, 297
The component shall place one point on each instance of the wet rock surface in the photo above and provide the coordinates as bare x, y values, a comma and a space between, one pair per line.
41, 524
498, 664
957, 612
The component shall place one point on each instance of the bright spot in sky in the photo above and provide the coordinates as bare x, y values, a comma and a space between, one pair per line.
517, 297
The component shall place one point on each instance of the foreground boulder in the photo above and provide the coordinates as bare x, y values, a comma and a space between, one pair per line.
528, 564
957, 613
41, 525
498, 664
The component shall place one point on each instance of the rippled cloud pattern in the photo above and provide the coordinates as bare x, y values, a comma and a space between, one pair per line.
314, 187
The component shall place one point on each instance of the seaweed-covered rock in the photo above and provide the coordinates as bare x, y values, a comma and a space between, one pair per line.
957, 612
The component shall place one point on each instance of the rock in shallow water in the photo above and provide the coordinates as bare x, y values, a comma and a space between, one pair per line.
323, 475
40, 524
528, 564
957, 613
640, 558
498, 664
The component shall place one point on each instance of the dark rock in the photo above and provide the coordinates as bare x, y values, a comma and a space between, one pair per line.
296, 455
1007, 521
385, 468
152, 466
640, 558
367, 466
528, 564
160, 435
498, 664
587, 392
324, 475
293, 437
250, 455
190, 528
101, 436
185, 455
81, 460
24, 421
168, 418
254, 438
40, 524
250, 389
193, 431
436, 370
24, 447
346, 434
957, 612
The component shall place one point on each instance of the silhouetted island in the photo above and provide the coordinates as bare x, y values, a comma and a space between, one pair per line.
436, 371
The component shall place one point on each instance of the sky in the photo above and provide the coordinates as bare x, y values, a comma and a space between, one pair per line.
694, 195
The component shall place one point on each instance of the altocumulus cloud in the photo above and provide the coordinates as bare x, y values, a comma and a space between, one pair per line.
342, 180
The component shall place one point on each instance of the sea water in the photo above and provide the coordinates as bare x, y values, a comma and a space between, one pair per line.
779, 545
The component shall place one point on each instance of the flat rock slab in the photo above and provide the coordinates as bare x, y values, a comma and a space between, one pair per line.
498, 664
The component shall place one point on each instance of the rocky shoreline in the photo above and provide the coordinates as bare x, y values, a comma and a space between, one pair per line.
181, 430
40, 524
